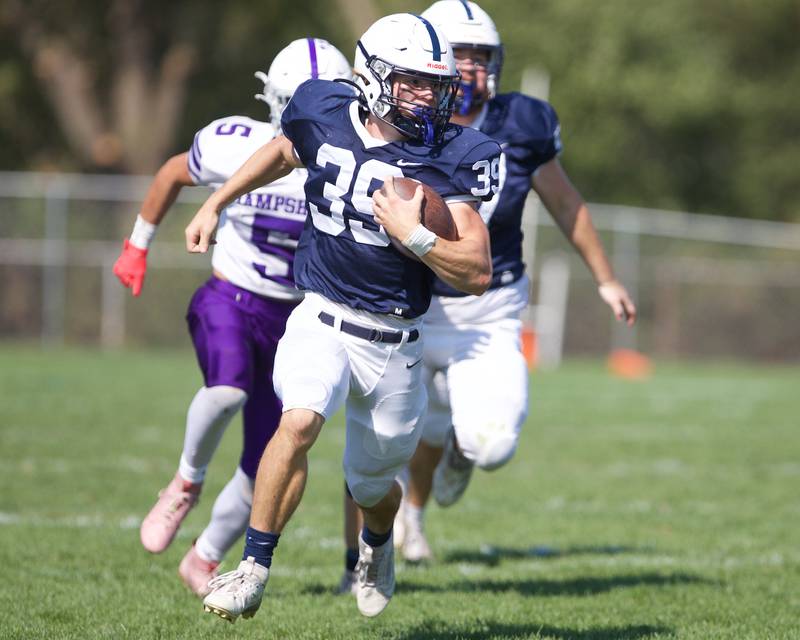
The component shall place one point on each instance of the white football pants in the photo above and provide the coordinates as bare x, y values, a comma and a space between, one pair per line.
319, 367
477, 381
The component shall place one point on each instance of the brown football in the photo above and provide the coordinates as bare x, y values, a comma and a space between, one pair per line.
436, 215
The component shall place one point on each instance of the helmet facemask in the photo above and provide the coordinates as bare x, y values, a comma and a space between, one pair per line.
274, 98
468, 95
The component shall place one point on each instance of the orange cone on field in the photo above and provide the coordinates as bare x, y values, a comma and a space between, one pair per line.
630, 364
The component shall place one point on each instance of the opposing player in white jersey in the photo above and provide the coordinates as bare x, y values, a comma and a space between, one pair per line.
237, 317
476, 374
356, 337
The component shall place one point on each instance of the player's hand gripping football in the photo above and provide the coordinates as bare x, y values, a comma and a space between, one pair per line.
131, 266
398, 216
202, 229
616, 297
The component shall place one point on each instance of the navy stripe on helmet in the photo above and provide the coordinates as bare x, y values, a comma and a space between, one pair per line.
467, 9
437, 48
363, 50
312, 53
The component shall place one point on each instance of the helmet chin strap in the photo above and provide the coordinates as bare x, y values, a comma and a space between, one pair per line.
421, 126
465, 100
428, 135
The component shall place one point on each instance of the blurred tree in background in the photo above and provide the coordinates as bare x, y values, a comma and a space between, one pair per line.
679, 104
119, 85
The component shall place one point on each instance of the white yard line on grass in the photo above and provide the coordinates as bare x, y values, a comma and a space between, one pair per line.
127, 464
84, 521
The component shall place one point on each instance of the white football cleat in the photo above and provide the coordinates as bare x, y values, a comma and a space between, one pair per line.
196, 572
452, 474
237, 593
348, 585
375, 570
415, 547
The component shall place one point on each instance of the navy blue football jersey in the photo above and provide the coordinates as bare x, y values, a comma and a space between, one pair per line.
343, 253
529, 134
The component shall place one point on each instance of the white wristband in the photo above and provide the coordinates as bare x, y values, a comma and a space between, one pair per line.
420, 240
143, 232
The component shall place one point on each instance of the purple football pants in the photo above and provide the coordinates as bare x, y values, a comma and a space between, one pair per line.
235, 334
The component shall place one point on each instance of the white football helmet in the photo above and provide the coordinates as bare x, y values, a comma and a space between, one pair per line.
299, 61
407, 45
468, 26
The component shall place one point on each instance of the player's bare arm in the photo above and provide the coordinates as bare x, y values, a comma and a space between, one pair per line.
131, 265
167, 184
464, 264
274, 160
570, 212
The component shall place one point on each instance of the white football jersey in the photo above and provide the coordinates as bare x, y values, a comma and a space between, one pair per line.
258, 233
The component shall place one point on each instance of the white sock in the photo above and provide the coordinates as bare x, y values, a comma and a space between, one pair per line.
402, 479
229, 518
415, 516
208, 415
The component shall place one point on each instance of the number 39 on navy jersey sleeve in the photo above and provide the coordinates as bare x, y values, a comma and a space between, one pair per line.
529, 132
478, 173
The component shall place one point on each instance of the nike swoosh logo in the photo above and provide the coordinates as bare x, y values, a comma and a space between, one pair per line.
404, 163
413, 364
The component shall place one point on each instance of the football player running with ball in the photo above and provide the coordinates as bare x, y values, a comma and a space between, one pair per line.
474, 368
356, 339
237, 317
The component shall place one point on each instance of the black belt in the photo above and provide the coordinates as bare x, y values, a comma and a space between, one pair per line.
365, 333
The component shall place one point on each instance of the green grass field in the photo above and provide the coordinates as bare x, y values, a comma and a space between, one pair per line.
660, 509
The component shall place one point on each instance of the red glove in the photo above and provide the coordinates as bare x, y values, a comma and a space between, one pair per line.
130, 267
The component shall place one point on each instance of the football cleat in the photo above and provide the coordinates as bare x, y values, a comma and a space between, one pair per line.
174, 503
375, 570
196, 572
452, 474
348, 584
415, 547
237, 593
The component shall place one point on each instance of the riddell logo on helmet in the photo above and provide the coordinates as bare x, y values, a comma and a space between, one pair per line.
434, 65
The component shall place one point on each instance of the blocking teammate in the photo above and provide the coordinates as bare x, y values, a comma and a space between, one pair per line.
476, 374
356, 337
238, 315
